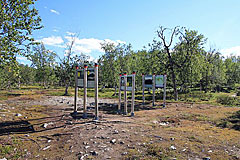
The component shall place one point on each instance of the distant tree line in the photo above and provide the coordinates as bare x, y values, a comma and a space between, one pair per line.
177, 52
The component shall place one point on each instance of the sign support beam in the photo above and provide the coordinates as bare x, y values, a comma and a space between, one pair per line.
85, 92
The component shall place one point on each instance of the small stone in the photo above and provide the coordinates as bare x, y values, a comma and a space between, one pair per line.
172, 139
113, 141
210, 151
206, 158
45, 125
124, 153
85, 143
115, 132
86, 147
3, 158
94, 153
184, 149
46, 148
49, 141
18, 115
121, 142
173, 148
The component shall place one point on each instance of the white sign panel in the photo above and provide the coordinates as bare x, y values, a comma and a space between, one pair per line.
159, 81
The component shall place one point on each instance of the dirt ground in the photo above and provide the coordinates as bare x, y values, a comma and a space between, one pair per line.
41, 127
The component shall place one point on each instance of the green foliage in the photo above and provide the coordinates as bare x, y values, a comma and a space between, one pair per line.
228, 100
238, 93
18, 19
44, 61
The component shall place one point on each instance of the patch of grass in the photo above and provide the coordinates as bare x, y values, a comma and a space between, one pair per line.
232, 122
10, 151
228, 100
150, 152
195, 117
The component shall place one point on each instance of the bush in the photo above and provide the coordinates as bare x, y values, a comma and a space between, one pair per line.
228, 100
238, 93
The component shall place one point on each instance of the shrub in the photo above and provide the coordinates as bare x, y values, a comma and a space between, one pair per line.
228, 100
238, 93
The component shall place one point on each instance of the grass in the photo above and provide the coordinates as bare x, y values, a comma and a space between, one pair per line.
232, 121
10, 151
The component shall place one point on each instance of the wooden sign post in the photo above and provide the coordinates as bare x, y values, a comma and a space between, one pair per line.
125, 94
143, 88
164, 92
85, 92
96, 92
119, 94
133, 93
76, 92
154, 88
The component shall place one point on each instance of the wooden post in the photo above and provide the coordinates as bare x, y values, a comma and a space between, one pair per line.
125, 94
133, 93
164, 93
85, 92
153, 87
96, 92
143, 88
119, 94
76, 92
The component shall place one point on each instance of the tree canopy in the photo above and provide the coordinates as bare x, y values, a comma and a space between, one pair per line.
18, 19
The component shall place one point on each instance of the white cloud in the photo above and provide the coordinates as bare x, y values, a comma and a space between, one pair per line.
52, 41
70, 33
88, 46
235, 51
55, 30
54, 11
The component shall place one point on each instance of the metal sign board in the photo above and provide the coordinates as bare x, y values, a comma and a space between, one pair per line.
159, 81
90, 78
148, 81
129, 82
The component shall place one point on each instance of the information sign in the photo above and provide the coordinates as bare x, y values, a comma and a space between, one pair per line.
129, 83
90, 78
159, 81
148, 81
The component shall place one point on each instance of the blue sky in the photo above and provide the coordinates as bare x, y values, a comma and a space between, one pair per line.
135, 22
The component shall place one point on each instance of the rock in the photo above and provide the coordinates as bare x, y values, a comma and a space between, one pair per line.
173, 148
86, 147
206, 158
121, 142
113, 141
45, 125
3, 158
46, 148
85, 143
115, 132
124, 153
94, 153
210, 151
184, 149
172, 139
163, 124
18, 115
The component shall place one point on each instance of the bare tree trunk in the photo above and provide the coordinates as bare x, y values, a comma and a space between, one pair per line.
66, 89
170, 60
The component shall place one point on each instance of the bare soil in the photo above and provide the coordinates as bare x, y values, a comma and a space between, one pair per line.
41, 127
